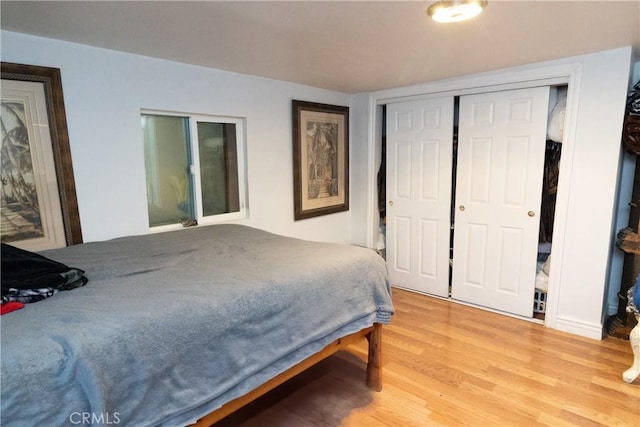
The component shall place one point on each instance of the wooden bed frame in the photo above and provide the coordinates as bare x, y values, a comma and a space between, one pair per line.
373, 334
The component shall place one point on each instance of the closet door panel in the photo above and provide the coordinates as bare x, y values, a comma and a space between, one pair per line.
515, 178
402, 244
475, 259
430, 170
509, 260
478, 176
402, 165
419, 161
428, 248
502, 137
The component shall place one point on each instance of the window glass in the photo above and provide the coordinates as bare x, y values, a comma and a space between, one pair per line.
166, 155
218, 168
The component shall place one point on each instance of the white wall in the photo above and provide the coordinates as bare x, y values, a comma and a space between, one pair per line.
590, 262
364, 191
585, 260
104, 91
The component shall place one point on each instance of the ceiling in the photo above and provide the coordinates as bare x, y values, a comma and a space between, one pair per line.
355, 46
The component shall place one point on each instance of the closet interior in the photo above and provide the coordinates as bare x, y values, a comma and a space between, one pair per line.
553, 150
545, 216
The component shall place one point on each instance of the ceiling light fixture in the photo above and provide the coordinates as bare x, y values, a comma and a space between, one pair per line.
455, 10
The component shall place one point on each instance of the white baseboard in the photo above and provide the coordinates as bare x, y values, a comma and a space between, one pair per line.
580, 327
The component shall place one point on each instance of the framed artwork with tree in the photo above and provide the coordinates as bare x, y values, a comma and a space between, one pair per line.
38, 201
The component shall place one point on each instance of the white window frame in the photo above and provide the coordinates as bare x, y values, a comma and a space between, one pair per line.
194, 167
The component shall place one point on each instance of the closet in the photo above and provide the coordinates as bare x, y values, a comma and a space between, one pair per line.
469, 193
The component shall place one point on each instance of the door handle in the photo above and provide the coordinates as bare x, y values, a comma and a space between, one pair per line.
531, 213
461, 207
390, 202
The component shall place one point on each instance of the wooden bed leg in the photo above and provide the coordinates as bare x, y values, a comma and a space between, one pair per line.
374, 364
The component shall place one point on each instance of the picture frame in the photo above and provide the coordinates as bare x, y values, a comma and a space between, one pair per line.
320, 159
37, 125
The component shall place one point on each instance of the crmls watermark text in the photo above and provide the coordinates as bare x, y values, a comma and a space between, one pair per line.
91, 418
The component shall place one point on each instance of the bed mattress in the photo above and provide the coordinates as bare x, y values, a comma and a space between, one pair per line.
173, 325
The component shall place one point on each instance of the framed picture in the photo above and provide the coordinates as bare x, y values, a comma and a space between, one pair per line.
38, 200
320, 159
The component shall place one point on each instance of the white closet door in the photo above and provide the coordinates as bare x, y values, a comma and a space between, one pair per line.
501, 145
419, 157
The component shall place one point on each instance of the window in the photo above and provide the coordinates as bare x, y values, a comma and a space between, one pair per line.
194, 168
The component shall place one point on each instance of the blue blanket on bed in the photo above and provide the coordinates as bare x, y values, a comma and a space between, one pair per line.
173, 325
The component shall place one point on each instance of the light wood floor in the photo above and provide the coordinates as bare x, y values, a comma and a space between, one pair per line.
448, 364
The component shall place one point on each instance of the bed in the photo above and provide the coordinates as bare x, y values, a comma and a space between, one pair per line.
184, 327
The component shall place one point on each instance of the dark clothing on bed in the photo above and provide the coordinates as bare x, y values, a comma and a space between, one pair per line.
30, 277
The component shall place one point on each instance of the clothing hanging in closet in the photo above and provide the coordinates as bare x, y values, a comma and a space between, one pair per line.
549, 189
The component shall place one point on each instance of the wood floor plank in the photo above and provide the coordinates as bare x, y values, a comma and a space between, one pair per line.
448, 364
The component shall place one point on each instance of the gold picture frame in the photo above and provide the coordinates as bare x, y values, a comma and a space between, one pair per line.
25, 147
320, 159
